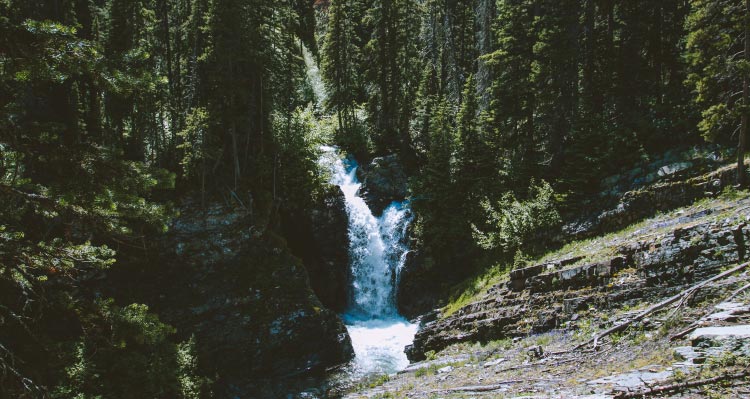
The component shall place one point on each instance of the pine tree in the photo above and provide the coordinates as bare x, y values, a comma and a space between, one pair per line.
392, 66
341, 60
719, 70
474, 159
556, 79
511, 111
437, 201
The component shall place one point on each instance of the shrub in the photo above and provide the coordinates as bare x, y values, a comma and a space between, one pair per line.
515, 223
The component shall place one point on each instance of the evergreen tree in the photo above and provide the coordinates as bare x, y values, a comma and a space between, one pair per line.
474, 159
556, 79
437, 200
341, 63
392, 66
341, 58
720, 69
511, 112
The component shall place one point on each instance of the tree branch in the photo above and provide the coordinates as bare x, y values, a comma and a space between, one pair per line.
663, 304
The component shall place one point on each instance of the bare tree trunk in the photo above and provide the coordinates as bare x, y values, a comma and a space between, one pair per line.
741, 179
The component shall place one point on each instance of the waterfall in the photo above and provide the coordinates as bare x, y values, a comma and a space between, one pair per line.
377, 250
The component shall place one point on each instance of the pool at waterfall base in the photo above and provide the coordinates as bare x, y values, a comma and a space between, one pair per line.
379, 344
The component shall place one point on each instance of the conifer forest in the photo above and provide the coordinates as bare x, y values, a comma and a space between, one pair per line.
374, 198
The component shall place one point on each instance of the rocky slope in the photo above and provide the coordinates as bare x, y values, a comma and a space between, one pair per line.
631, 363
657, 259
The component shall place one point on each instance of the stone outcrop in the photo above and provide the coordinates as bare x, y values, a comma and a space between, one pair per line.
415, 292
235, 287
328, 263
659, 261
383, 181
668, 183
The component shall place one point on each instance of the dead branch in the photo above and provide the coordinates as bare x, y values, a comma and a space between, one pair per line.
492, 387
682, 386
481, 388
696, 324
663, 304
735, 293
684, 332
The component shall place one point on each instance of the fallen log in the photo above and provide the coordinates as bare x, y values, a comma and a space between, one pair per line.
489, 388
681, 386
481, 388
663, 304
696, 324
736, 293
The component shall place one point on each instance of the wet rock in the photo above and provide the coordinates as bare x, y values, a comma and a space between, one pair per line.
415, 293
383, 181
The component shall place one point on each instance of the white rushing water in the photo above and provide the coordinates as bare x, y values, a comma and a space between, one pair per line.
376, 255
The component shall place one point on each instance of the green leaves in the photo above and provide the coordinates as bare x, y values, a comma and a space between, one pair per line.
514, 223
715, 45
131, 345
59, 56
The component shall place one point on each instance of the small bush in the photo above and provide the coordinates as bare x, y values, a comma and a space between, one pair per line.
515, 223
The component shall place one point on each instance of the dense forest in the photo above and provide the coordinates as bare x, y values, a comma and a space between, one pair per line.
506, 115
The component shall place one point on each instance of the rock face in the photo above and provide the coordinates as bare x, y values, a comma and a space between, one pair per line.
415, 292
383, 181
676, 180
660, 261
246, 300
328, 267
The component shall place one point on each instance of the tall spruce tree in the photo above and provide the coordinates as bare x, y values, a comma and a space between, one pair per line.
392, 69
511, 111
719, 60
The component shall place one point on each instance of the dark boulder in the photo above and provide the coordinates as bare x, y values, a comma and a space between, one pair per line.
416, 292
319, 236
383, 181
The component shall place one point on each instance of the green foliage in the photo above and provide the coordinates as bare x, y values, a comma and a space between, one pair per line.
296, 176
341, 60
193, 146
714, 47
391, 67
515, 223
426, 371
135, 358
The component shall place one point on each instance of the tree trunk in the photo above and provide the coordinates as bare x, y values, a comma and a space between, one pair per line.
745, 96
